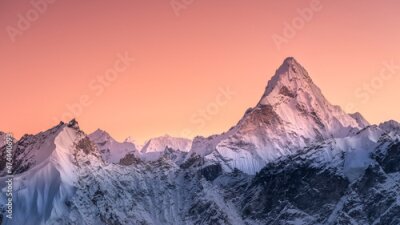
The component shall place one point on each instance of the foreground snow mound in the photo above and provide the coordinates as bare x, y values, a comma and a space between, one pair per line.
291, 114
46, 174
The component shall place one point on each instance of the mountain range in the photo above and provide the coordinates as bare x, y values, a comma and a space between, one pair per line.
294, 158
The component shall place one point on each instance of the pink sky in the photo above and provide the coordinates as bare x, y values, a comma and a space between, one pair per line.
186, 58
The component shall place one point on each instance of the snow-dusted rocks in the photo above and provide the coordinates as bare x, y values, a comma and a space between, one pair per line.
155, 148
111, 150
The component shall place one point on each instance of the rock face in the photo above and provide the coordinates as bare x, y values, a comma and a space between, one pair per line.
329, 168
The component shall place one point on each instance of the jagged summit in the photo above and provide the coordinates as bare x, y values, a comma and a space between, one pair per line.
290, 79
73, 124
291, 64
289, 71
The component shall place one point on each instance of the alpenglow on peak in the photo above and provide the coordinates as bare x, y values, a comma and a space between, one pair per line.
291, 76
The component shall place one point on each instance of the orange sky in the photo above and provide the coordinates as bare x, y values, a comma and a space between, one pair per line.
64, 57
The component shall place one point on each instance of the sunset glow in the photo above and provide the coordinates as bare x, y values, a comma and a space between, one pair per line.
149, 68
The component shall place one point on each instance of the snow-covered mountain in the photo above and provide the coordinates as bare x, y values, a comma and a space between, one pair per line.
46, 171
291, 114
111, 150
154, 148
292, 159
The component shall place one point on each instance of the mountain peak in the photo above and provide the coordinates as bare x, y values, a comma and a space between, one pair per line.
291, 114
100, 134
291, 67
291, 64
290, 60
158, 144
73, 124
289, 79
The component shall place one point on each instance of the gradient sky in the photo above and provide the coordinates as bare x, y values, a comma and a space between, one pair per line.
185, 58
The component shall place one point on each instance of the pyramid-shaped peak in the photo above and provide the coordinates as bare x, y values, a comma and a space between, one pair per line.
290, 61
290, 75
291, 67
